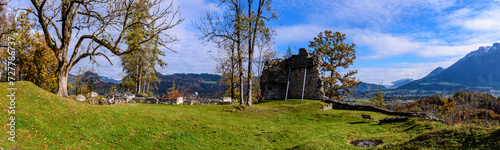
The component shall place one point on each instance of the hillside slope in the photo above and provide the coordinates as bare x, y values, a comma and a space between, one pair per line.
435, 72
44, 120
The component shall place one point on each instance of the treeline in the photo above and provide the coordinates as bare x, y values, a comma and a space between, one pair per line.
461, 108
34, 61
134, 30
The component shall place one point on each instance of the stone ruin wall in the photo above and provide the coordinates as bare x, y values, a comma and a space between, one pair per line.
275, 75
116, 98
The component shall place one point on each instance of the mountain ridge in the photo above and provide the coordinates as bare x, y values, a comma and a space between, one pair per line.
478, 68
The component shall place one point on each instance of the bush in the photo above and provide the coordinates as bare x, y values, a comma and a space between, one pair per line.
173, 94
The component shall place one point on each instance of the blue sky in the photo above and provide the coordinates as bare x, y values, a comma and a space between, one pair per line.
394, 39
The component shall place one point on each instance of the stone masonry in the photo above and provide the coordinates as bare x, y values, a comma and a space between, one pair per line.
275, 75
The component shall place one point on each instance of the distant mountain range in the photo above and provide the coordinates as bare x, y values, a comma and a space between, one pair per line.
368, 87
435, 72
400, 82
478, 70
71, 79
207, 85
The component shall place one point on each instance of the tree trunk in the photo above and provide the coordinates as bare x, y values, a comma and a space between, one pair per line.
232, 72
137, 85
240, 63
62, 78
332, 73
147, 84
250, 55
240, 67
140, 82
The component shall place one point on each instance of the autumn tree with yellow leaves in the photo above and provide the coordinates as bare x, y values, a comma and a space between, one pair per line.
35, 61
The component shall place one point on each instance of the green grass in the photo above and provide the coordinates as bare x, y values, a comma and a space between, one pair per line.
361, 101
465, 137
44, 120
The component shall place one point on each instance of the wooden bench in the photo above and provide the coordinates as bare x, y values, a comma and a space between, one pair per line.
366, 117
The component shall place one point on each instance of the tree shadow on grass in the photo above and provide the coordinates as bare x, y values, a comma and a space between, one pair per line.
358, 122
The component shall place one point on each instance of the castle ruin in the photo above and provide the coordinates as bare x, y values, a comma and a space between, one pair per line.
294, 78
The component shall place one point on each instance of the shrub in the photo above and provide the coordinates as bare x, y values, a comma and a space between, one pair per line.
173, 94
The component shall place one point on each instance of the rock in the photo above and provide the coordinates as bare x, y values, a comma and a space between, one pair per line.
275, 77
194, 96
110, 101
120, 98
227, 99
129, 96
80, 98
91, 100
327, 106
93, 94
101, 101
366, 143
179, 100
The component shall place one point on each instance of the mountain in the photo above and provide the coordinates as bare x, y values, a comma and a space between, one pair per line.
479, 70
207, 85
108, 79
71, 79
368, 87
401, 82
435, 72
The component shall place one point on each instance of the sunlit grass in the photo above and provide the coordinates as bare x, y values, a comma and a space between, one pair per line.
44, 120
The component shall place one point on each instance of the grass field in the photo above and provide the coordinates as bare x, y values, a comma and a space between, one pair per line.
44, 120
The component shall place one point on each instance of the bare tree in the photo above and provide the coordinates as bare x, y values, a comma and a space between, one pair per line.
226, 31
100, 26
235, 26
256, 20
266, 52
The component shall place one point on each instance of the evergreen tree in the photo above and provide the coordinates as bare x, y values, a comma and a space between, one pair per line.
378, 100
335, 55
140, 65
288, 53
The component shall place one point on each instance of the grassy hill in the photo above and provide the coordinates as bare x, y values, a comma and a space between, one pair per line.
44, 120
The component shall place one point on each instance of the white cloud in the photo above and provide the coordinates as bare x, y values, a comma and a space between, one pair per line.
475, 25
381, 45
297, 33
485, 21
375, 14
